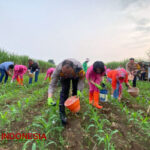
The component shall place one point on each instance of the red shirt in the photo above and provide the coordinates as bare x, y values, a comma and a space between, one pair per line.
113, 75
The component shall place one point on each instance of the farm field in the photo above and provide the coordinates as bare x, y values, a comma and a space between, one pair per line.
121, 125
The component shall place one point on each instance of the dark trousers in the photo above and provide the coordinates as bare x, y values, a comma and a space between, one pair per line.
143, 76
3, 73
64, 94
134, 81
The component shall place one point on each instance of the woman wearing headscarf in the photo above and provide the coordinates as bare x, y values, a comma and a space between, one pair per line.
116, 78
94, 75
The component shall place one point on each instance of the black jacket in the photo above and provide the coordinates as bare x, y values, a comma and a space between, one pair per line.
33, 67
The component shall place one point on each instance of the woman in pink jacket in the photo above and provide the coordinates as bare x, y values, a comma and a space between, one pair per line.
19, 71
94, 76
49, 73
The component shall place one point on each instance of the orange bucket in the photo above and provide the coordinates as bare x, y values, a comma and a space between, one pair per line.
73, 104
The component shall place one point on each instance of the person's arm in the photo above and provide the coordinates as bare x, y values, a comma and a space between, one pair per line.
81, 81
127, 81
8, 73
46, 76
127, 68
88, 74
14, 76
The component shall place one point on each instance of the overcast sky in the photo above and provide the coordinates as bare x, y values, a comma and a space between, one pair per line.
104, 30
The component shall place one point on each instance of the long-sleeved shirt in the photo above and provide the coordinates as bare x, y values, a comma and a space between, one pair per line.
95, 77
49, 72
5, 65
131, 67
33, 67
19, 70
77, 66
113, 75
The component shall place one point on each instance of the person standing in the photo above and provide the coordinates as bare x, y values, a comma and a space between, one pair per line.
67, 71
33, 68
5, 70
132, 69
85, 66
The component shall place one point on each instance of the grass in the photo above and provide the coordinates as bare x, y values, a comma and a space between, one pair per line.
22, 60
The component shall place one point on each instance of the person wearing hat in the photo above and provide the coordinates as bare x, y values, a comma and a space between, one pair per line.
19, 71
67, 71
85, 66
33, 68
94, 75
132, 69
5, 70
116, 78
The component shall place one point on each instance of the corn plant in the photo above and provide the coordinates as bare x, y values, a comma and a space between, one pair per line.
14, 112
3, 118
20, 108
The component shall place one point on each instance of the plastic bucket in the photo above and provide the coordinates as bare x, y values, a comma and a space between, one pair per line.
104, 95
73, 104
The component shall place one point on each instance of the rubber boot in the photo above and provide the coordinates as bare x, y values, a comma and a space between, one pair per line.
62, 114
96, 100
90, 97
21, 81
18, 80
49, 79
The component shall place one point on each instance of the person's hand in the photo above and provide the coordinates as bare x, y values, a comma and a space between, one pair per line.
98, 86
103, 85
129, 87
51, 102
104, 81
79, 94
112, 96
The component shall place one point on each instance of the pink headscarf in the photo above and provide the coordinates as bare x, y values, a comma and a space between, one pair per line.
121, 73
107, 70
16, 68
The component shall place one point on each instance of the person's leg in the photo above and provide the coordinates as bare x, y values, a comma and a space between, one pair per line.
96, 100
21, 79
96, 97
6, 77
65, 83
18, 79
49, 78
116, 92
144, 74
30, 79
134, 81
2, 72
74, 86
91, 93
141, 78
36, 76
